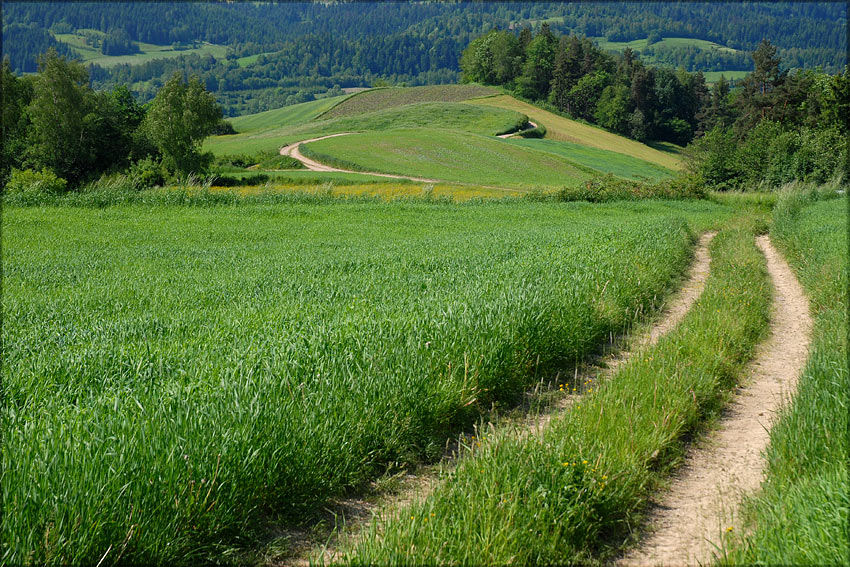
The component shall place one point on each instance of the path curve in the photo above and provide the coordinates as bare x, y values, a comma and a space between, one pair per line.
692, 517
531, 126
294, 150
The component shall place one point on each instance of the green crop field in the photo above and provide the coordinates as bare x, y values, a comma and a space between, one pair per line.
149, 51
292, 115
448, 155
380, 99
176, 376
604, 161
712, 77
295, 125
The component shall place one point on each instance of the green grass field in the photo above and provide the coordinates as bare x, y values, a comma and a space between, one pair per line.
566, 130
640, 44
383, 98
712, 77
803, 513
148, 52
448, 155
572, 493
295, 126
604, 161
292, 115
181, 375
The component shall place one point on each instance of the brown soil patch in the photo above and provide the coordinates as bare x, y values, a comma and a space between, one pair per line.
690, 520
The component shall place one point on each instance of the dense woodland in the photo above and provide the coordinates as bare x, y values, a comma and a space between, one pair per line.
310, 47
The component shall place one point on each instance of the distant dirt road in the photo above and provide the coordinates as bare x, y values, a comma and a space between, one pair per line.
531, 126
294, 151
701, 505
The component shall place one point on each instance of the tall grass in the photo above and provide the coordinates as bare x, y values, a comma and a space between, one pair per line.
574, 493
802, 515
174, 375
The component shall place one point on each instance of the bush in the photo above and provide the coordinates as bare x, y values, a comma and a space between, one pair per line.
35, 183
538, 132
606, 188
147, 173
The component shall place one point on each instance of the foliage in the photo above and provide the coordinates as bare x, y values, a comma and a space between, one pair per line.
606, 188
29, 183
179, 118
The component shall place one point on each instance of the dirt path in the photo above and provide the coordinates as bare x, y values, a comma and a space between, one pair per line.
358, 514
531, 126
294, 150
691, 518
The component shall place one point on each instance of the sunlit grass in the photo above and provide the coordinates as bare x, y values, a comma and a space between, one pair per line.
174, 374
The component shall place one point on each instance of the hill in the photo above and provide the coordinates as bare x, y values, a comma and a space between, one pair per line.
446, 141
564, 129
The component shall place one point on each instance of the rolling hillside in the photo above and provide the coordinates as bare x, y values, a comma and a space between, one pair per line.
442, 133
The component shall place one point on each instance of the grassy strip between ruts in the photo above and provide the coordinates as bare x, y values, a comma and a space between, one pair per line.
574, 493
174, 375
801, 515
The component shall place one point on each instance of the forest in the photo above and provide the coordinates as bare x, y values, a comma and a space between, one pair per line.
306, 48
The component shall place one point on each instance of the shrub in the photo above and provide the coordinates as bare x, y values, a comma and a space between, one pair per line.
147, 173
538, 132
34, 183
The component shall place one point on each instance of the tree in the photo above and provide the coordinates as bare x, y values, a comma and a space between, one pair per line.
539, 65
179, 118
61, 134
17, 94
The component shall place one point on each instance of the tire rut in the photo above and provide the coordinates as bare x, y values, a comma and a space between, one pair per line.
359, 513
690, 520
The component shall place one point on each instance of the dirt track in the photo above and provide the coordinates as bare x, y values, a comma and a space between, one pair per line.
691, 519
359, 513
294, 151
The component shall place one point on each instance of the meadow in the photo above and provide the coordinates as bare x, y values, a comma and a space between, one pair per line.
448, 155
181, 376
568, 130
148, 51
639, 44
293, 127
383, 98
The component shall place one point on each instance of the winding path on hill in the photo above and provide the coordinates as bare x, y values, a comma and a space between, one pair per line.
531, 126
294, 151
691, 518
359, 513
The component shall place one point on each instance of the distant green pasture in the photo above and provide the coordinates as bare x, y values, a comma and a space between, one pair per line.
149, 51
449, 156
601, 160
448, 116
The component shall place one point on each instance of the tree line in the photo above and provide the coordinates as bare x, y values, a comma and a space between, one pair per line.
58, 131
617, 92
776, 126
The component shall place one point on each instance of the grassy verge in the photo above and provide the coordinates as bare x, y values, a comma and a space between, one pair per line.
802, 514
572, 494
175, 375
